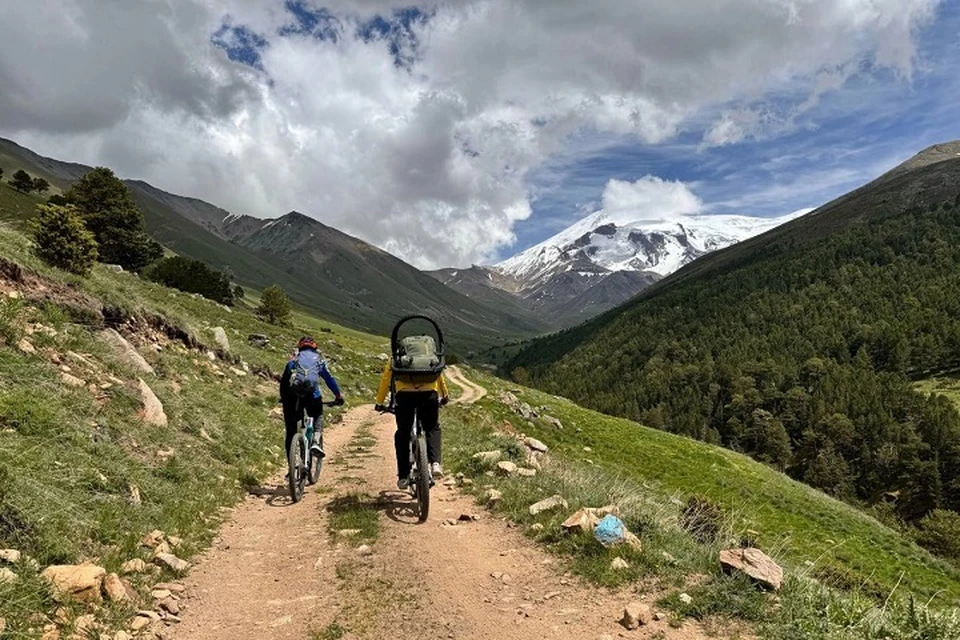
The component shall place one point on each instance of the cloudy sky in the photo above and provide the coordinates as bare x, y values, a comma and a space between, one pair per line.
485, 125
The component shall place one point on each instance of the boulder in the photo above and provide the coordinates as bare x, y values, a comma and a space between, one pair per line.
754, 563
75, 582
152, 407
636, 614
171, 562
114, 589
11, 556
134, 566
580, 521
7, 576
506, 468
220, 337
153, 539
554, 422
125, 350
536, 445
548, 504
488, 457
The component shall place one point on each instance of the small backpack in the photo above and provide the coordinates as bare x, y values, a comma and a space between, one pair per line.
418, 355
305, 376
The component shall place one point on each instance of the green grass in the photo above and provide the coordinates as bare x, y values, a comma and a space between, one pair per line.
357, 513
71, 459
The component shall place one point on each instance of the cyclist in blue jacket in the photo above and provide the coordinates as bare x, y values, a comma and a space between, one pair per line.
300, 390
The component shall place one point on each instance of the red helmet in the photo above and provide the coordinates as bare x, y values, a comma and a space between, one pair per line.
306, 342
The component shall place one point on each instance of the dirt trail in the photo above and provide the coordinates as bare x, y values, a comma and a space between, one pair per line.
274, 572
471, 392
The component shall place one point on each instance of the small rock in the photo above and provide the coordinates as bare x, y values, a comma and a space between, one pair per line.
258, 340
173, 587
506, 468
276, 413
587, 449
220, 337
349, 532
84, 624
636, 614
139, 623
11, 556
122, 635
488, 457
553, 421
113, 588
754, 563
134, 566
135, 494
467, 482
174, 541
164, 546
124, 349
170, 606
152, 407
75, 582
238, 372
536, 527
7, 576
364, 550
619, 564
3, 625
72, 380
580, 521
659, 615
26, 347
160, 594
685, 598
524, 472
553, 502
172, 562
468, 517
493, 496
536, 445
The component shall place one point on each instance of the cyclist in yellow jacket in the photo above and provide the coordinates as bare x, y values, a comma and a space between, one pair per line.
420, 395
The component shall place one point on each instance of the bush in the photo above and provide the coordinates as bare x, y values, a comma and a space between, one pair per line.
239, 293
702, 518
62, 239
274, 306
22, 182
939, 533
192, 276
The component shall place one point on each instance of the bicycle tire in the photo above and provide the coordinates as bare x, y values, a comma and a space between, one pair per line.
316, 464
296, 477
423, 479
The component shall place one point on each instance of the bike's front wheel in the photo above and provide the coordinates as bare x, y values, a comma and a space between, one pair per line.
316, 463
422, 479
297, 473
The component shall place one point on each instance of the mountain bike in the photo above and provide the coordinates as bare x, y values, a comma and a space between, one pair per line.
302, 465
420, 479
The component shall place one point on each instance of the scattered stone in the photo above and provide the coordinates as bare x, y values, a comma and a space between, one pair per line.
125, 350
113, 588
3, 625
172, 562
536, 527
506, 468
636, 614
754, 563
553, 502
581, 520
467, 482
220, 337
276, 413
122, 635
163, 547
488, 457
50, 632
116, 268
659, 615
84, 624
160, 594
238, 372
468, 517
524, 472
619, 564
553, 422
75, 582
170, 606
174, 541
587, 449
134, 566
536, 445
349, 532
140, 623
26, 347
493, 496
174, 587
72, 380
685, 598
364, 550
11, 556
152, 407
258, 340
135, 494
7, 576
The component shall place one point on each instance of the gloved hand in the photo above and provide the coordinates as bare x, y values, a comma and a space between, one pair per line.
338, 401
379, 408
444, 400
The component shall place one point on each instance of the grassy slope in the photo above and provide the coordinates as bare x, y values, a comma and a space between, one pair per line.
797, 523
68, 456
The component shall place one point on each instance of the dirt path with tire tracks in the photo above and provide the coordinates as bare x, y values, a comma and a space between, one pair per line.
276, 572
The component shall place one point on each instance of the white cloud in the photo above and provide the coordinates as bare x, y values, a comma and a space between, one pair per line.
441, 149
649, 197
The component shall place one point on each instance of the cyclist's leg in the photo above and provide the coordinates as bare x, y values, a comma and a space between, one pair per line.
315, 411
429, 412
401, 439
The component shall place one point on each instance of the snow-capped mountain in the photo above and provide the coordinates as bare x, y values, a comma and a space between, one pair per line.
604, 243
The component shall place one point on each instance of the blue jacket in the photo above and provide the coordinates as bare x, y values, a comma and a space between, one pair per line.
324, 373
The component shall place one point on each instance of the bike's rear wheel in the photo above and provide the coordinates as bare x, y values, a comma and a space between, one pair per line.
297, 476
423, 478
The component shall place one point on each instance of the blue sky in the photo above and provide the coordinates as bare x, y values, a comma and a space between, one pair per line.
874, 122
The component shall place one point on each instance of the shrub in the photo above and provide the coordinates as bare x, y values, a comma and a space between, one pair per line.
62, 239
702, 518
939, 532
22, 182
274, 306
192, 276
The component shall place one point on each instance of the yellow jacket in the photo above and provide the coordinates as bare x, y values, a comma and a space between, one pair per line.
403, 383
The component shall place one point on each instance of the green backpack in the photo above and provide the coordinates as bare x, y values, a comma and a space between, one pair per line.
418, 355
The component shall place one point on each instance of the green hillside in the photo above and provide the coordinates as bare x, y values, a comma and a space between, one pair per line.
323, 270
797, 347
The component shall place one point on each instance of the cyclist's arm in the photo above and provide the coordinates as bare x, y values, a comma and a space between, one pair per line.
442, 384
384, 387
329, 380
285, 380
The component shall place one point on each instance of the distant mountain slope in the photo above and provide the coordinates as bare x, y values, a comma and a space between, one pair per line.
345, 279
796, 345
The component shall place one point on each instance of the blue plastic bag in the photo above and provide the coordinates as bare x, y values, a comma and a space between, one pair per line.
610, 531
